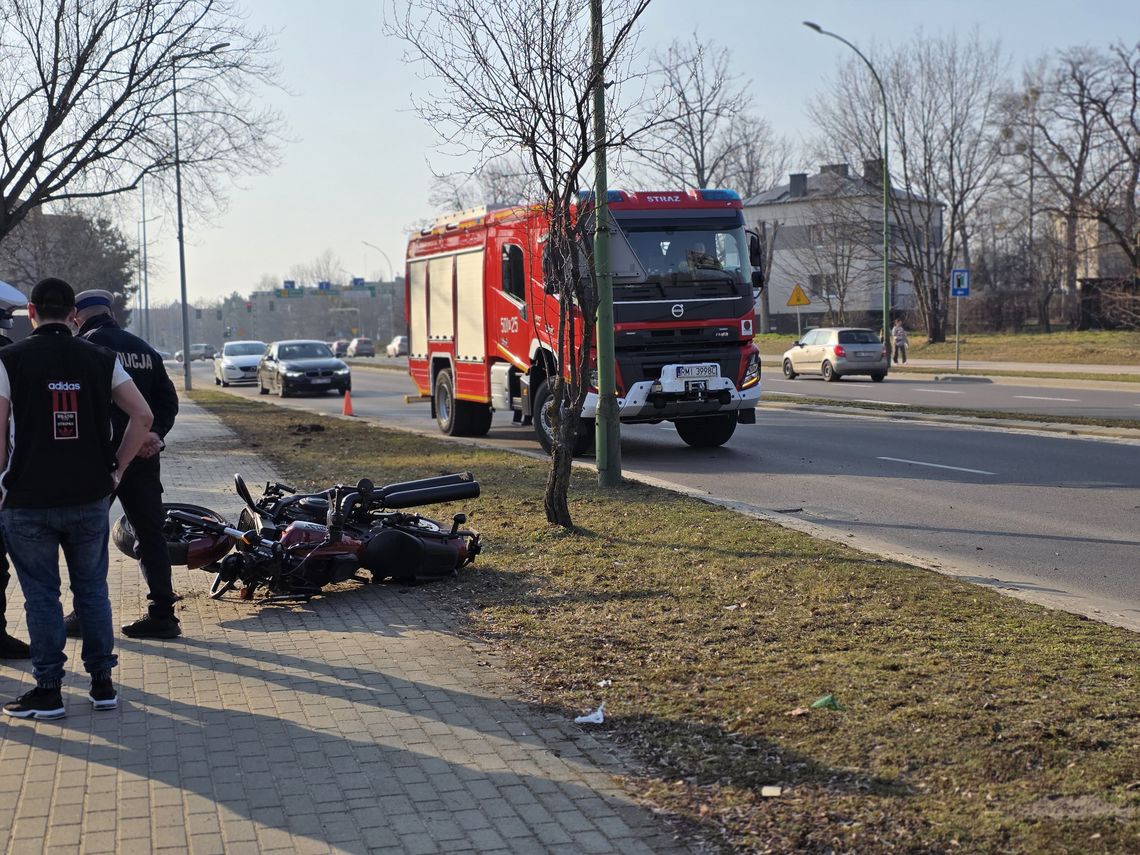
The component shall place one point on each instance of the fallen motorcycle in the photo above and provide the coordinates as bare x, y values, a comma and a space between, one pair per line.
291, 545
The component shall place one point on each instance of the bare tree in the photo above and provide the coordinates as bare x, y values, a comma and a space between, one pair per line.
515, 75
1117, 205
942, 95
504, 181
79, 245
86, 106
708, 134
832, 252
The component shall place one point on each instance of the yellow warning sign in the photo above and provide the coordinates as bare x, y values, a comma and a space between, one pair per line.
798, 298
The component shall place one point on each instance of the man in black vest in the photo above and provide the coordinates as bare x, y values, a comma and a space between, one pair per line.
55, 403
140, 490
10, 647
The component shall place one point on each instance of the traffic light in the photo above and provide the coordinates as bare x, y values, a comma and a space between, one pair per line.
229, 332
198, 314
219, 314
249, 306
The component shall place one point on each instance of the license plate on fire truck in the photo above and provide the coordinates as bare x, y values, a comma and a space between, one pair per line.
704, 371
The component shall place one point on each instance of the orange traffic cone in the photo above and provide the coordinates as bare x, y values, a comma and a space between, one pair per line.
347, 411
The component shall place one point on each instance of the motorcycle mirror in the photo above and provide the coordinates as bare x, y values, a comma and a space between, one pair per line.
243, 491
365, 486
457, 521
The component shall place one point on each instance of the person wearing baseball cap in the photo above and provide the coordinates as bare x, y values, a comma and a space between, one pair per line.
140, 489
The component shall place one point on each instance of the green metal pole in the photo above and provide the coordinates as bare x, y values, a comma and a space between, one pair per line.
608, 428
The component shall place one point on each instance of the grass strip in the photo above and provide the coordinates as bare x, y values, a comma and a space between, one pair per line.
968, 721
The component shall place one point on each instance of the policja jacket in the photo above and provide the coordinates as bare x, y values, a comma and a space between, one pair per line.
145, 367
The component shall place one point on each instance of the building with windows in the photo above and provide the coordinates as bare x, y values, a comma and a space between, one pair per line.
824, 232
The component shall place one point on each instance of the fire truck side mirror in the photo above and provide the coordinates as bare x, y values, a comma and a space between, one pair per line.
755, 249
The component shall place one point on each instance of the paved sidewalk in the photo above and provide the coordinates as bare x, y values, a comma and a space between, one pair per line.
359, 722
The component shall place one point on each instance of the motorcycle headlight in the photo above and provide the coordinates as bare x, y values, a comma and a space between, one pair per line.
752, 372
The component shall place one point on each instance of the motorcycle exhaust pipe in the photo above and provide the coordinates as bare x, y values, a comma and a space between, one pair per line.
431, 495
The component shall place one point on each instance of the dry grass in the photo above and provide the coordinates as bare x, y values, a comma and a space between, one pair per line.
972, 722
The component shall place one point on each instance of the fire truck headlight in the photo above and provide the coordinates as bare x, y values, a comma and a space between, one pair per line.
752, 372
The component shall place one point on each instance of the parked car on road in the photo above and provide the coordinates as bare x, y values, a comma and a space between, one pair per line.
835, 352
361, 347
398, 346
339, 347
197, 351
237, 363
300, 365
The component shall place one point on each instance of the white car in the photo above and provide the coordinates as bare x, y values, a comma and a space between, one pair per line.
237, 363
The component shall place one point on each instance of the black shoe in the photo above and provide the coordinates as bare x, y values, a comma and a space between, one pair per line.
72, 626
13, 648
102, 694
153, 627
42, 704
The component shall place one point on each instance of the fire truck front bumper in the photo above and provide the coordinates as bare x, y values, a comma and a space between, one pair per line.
670, 398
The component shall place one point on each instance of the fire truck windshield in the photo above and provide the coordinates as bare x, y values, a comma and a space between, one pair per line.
702, 252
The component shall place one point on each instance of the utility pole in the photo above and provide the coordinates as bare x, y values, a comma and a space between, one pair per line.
607, 435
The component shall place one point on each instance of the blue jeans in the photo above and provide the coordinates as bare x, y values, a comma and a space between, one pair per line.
34, 537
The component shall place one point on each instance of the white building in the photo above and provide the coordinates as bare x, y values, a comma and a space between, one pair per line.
826, 235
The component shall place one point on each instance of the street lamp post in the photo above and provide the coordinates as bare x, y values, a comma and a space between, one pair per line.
178, 199
384, 255
884, 178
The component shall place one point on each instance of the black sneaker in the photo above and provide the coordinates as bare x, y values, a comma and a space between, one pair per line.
153, 627
103, 695
13, 648
41, 704
71, 624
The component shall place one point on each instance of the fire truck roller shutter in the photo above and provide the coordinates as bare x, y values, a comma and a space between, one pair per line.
470, 323
441, 298
417, 309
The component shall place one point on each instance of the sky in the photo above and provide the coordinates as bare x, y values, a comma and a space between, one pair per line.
358, 165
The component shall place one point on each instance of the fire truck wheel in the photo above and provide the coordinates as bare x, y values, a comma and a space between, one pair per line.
707, 431
451, 418
542, 402
478, 418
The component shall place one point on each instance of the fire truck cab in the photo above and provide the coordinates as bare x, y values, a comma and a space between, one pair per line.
483, 327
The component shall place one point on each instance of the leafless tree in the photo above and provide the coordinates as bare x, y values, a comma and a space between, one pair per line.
517, 75
834, 251
708, 134
78, 244
1054, 120
326, 267
86, 106
504, 181
942, 95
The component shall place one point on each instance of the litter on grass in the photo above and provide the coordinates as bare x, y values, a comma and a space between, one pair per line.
596, 717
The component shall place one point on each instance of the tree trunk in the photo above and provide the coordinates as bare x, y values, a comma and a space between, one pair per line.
556, 500
1043, 310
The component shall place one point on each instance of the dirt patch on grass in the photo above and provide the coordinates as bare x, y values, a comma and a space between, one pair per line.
704, 632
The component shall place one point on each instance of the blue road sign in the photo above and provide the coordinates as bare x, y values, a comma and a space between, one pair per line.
959, 283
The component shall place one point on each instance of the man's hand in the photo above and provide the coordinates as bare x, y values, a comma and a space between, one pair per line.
151, 446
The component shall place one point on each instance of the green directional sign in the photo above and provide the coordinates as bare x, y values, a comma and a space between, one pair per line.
290, 292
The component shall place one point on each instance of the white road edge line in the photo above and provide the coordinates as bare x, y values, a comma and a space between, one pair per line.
939, 391
1039, 398
936, 465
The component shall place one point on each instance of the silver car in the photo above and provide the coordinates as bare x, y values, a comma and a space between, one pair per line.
835, 352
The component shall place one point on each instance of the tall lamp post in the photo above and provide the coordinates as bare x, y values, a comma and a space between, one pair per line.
884, 178
384, 255
187, 385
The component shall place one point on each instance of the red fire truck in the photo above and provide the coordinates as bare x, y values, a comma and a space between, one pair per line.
483, 327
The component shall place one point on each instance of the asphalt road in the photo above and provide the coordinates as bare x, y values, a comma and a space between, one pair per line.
1054, 518
1101, 399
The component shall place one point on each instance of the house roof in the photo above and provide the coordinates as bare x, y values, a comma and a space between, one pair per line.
827, 185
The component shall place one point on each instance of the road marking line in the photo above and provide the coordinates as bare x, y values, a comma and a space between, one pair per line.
939, 391
1039, 398
873, 401
937, 465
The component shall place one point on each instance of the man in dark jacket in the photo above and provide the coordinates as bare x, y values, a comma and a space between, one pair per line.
56, 393
140, 490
